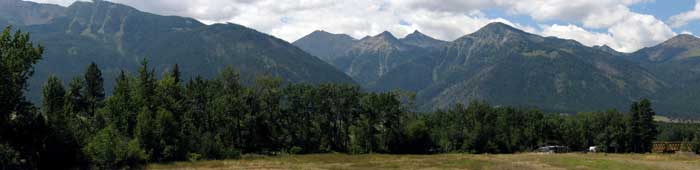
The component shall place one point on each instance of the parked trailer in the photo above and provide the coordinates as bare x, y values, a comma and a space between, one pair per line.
670, 147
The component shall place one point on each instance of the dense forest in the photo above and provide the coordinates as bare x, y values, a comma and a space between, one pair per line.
163, 118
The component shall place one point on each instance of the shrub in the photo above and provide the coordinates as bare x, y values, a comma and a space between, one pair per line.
8, 157
231, 153
110, 150
193, 157
295, 150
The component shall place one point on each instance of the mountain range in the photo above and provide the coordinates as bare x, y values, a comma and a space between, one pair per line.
498, 64
506, 66
117, 37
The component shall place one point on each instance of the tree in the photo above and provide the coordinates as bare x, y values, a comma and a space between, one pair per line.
61, 149
110, 150
76, 108
266, 124
176, 74
146, 89
121, 110
230, 105
170, 107
76, 103
53, 99
17, 57
642, 128
648, 130
94, 88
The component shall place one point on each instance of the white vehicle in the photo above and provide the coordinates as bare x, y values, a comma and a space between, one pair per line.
593, 149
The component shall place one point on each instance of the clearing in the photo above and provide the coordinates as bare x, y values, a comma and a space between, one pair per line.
525, 161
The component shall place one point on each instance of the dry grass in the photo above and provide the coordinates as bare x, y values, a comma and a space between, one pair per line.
451, 161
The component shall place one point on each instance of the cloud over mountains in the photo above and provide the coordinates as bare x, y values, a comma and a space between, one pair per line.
592, 22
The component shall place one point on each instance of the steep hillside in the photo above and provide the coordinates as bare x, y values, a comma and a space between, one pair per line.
381, 62
506, 66
118, 37
20, 13
502, 65
676, 61
421, 40
325, 45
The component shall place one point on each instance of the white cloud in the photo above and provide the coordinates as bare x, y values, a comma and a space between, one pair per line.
687, 32
624, 30
577, 33
686, 17
627, 31
59, 2
627, 36
639, 31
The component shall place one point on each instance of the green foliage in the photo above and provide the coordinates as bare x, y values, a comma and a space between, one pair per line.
642, 130
120, 107
108, 149
18, 55
193, 157
147, 119
22, 128
94, 88
8, 157
295, 150
53, 99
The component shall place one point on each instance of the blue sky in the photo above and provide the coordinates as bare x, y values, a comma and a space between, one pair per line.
625, 25
665, 9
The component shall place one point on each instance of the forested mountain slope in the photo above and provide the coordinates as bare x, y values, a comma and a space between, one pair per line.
118, 37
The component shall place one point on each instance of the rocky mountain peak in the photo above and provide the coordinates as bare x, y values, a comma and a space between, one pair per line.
419, 39
683, 41
386, 35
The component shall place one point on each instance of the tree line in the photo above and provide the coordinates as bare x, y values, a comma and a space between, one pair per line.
151, 119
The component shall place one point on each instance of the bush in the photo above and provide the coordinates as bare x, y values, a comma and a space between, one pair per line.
295, 150
8, 157
231, 153
110, 150
193, 157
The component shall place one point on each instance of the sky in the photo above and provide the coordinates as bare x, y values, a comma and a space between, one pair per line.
624, 25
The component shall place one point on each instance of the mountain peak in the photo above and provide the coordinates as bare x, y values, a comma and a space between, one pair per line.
416, 35
321, 32
608, 49
683, 40
321, 35
680, 47
416, 32
499, 26
386, 35
497, 29
419, 39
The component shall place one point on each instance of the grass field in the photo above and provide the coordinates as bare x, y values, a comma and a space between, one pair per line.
527, 161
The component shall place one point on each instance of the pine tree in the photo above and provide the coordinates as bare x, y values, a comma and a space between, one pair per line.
61, 148
76, 103
53, 99
146, 87
642, 128
120, 106
648, 130
145, 121
230, 104
176, 74
76, 112
94, 88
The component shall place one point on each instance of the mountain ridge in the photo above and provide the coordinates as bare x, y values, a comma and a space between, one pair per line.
117, 37
507, 66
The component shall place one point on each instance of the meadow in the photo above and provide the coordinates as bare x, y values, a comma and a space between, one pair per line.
524, 161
